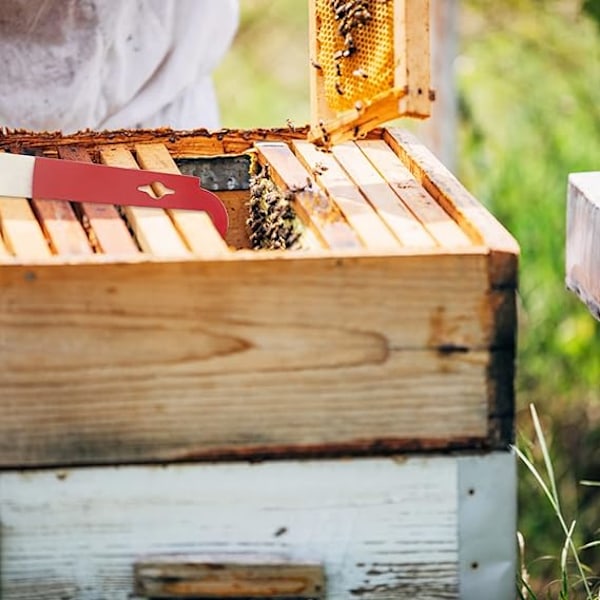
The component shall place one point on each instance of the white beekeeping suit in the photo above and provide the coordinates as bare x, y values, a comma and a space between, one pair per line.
105, 64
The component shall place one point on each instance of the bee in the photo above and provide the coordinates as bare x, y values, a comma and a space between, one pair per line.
360, 73
338, 88
319, 168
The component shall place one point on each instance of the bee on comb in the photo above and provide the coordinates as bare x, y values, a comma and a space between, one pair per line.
372, 54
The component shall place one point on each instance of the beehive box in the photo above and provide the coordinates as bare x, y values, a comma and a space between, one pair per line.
141, 338
583, 238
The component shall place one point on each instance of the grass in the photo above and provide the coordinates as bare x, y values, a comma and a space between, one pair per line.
527, 76
570, 578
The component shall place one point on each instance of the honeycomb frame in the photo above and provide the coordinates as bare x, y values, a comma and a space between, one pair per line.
384, 73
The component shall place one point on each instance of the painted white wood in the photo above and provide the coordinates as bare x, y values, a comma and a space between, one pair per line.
583, 238
16, 175
382, 528
487, 514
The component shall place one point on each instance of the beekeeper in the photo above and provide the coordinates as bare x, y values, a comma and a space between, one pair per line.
106, 64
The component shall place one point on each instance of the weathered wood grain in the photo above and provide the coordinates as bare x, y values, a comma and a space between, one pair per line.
460, 204
106, 229
183, 144
583, 238
412, 53
195, 228
153, 228
225, 356
313, 206
344, 193
382, 529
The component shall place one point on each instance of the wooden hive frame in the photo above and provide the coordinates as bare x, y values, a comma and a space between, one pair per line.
393, 330
409, 95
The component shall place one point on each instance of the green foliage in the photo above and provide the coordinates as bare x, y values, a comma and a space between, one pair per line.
571, 576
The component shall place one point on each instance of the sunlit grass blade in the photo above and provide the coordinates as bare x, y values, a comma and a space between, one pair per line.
539, 433
552, 496
590, 545
564, 588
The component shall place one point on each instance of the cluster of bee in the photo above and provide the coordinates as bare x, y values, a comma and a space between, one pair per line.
272, 222
352, 15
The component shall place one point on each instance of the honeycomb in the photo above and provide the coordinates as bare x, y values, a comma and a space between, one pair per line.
355, 41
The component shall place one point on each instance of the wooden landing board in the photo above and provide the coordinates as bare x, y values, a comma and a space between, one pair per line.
400, 528
153, 228
434, 218
583, 238
106, 229
353, 205
380, 194
313, 206
195, 228
236, 578
292, 356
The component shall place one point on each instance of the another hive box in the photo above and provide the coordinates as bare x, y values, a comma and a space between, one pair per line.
392, 329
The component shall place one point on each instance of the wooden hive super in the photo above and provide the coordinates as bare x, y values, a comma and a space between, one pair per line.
144, 337
142, 354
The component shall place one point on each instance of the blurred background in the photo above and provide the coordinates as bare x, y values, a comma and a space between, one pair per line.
523, 113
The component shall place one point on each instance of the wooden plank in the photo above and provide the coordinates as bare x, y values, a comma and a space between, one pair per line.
183, 144
20, 229
61, 226
314, 208
196, 228
353, 205
153, 228
409, 231
241, 578
236, 202
435, 219
487, 516
341, 355
381, 528
105, 227
412, 52
4, 253
319, 109
472, 216
583, 238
